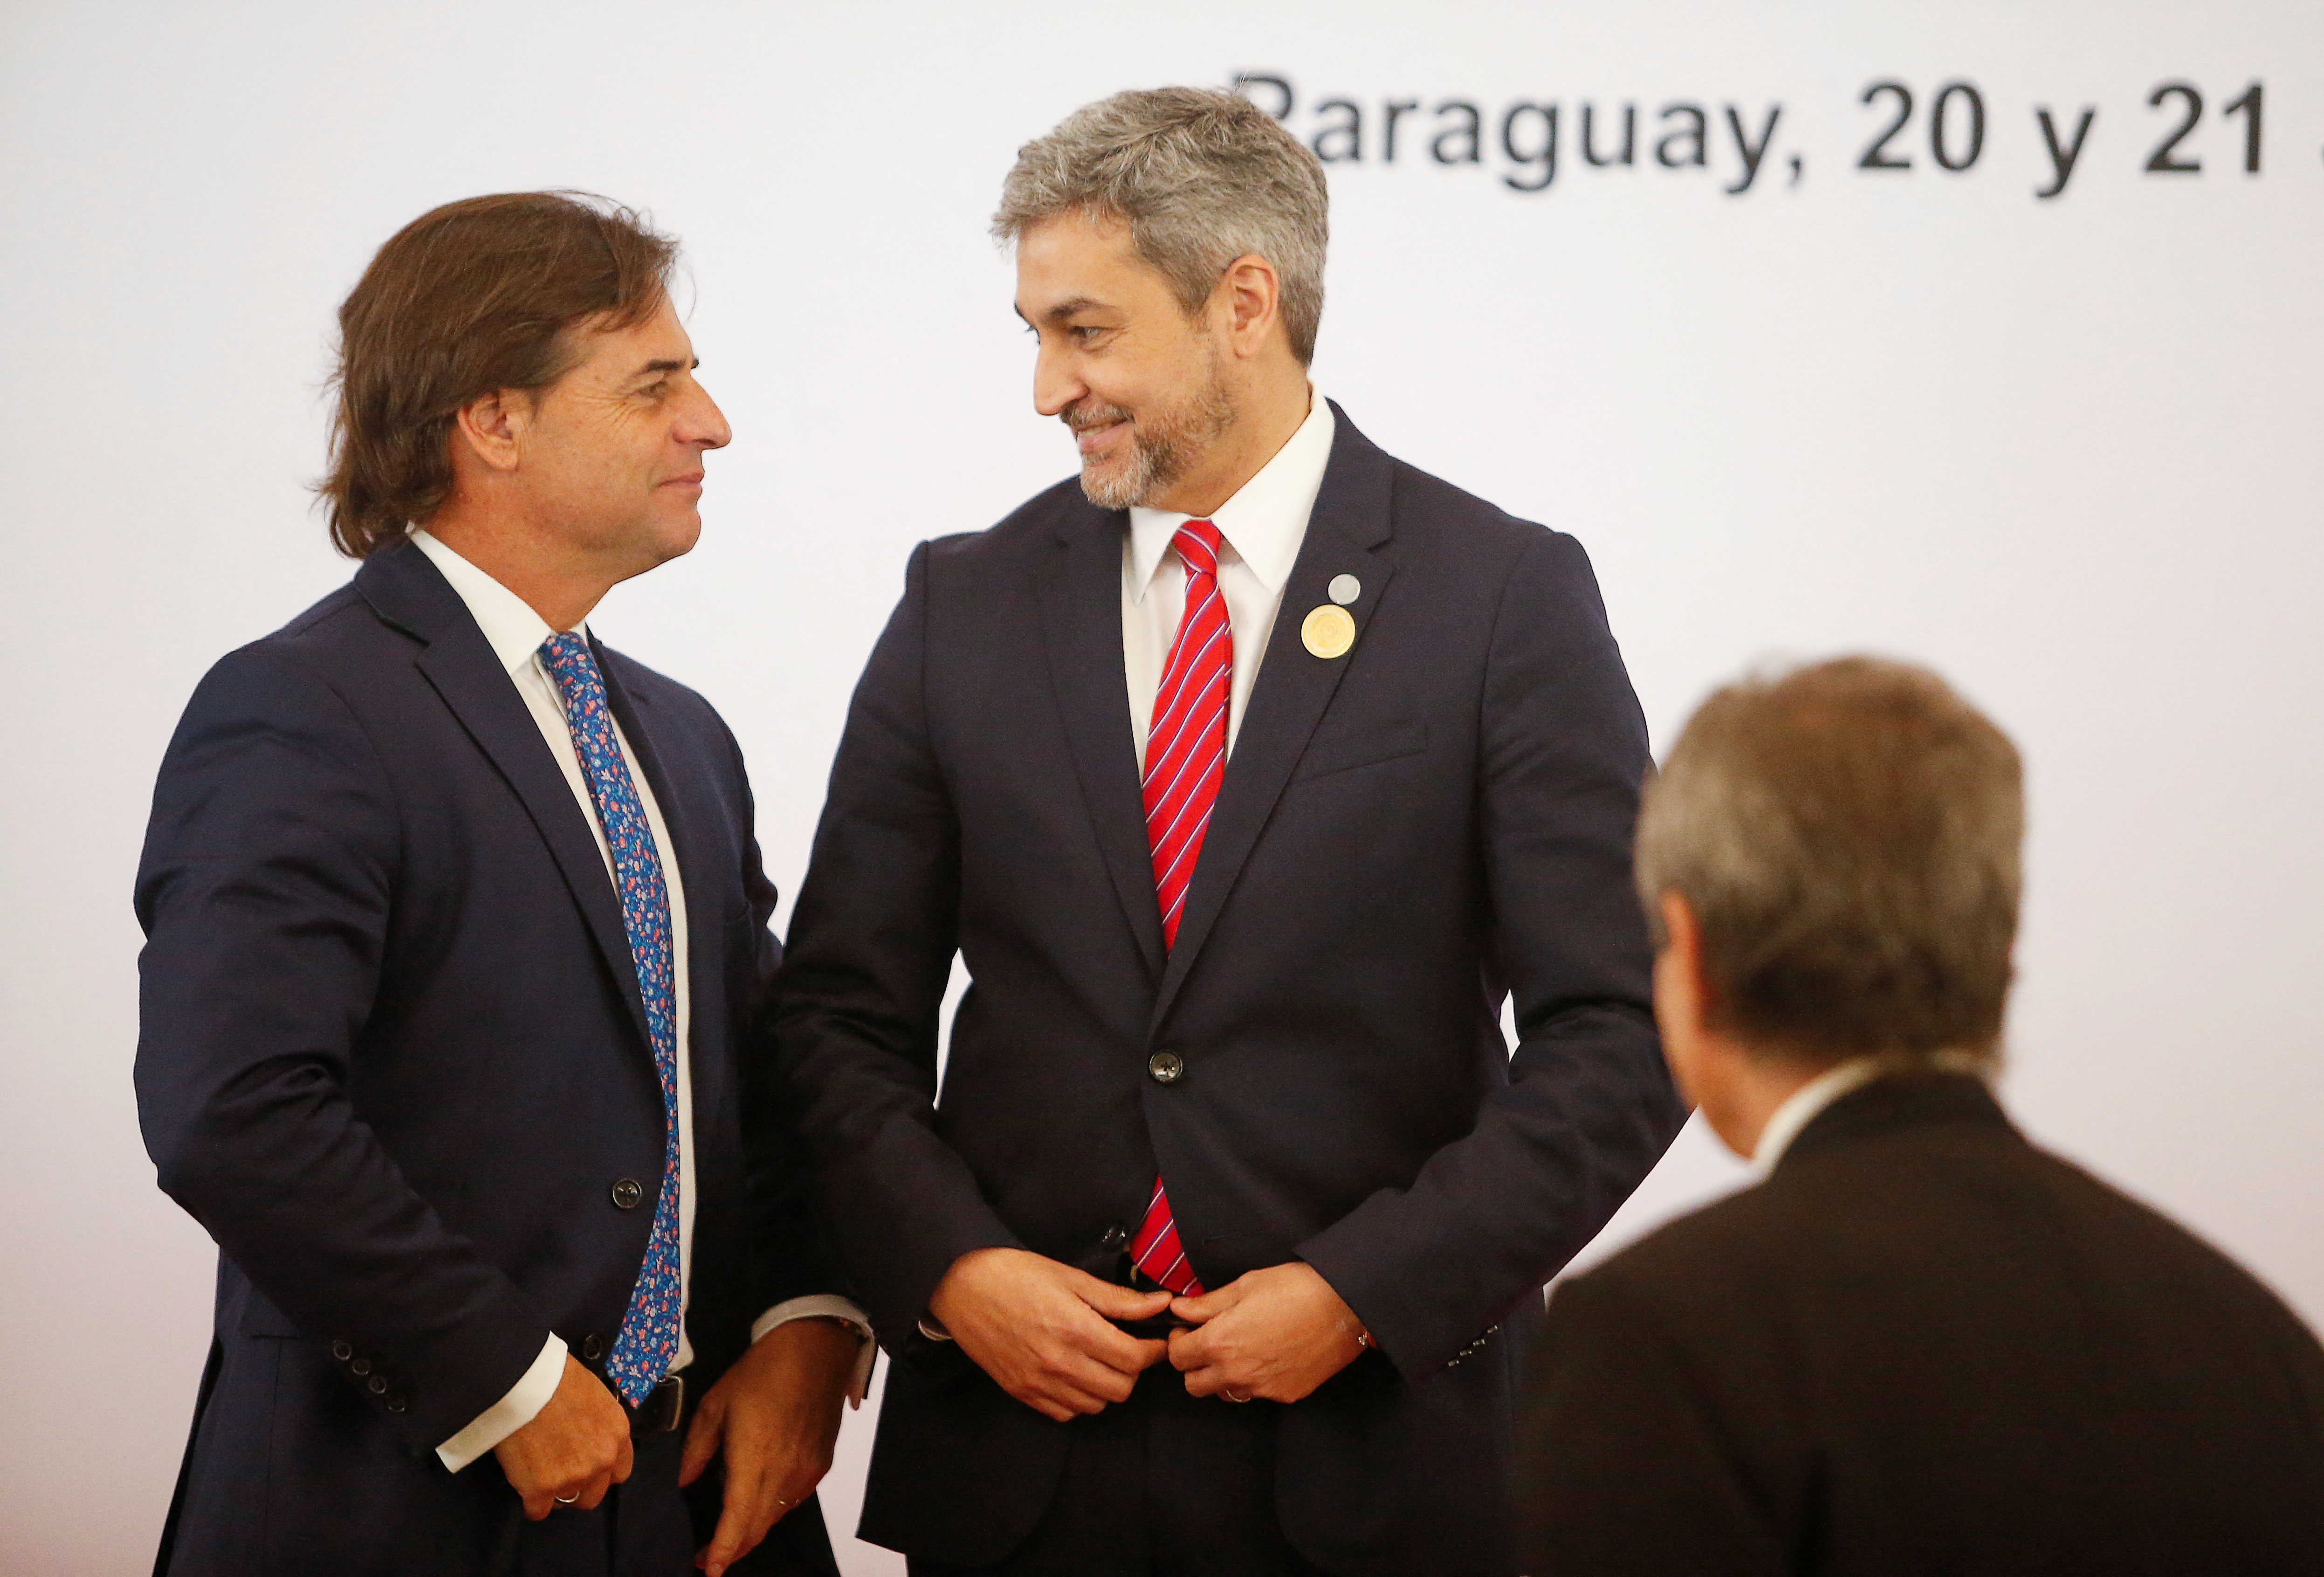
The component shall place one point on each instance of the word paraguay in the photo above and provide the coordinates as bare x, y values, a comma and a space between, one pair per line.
1528, 137
1525, 133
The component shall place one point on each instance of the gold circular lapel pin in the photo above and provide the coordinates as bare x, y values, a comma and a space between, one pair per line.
1329, 632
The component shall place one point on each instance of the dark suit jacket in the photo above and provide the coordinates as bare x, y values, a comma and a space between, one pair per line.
1924, 1346
393, 1058
1405, 835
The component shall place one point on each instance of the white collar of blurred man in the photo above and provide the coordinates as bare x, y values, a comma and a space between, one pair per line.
1807, 1102
1755, 1099
561, 492
1172, 409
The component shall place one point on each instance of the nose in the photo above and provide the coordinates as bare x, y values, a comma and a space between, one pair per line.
1056, 381
703, 424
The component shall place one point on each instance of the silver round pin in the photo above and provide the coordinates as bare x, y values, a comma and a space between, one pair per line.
1345, 589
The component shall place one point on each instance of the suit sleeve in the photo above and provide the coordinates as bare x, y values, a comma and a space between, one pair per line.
861, 990
1624, 1463
1589, 1106
268, 875
791, 1256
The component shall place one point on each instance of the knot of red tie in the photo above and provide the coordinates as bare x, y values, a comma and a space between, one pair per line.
1197, 542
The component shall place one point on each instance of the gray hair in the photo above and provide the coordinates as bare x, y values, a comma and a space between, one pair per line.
1203, 177
1847, 836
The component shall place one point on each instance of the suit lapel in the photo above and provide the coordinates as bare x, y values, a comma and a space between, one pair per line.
1081, 628
407, 590
683, 815
1346, 534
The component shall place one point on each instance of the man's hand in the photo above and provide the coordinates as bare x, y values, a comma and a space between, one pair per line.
1277, 1333
1040, 1329
776, 1415
574, 1449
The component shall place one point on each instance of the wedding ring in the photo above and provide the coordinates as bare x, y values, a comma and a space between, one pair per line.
1231, 1396
566, 1499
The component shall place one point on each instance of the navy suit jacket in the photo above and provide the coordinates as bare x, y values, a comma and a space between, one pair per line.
1405, 836
393, 1058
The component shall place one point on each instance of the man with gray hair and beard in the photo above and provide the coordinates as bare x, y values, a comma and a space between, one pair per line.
1920, 1345
1249, 775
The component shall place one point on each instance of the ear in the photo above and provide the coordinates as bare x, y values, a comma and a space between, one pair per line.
494, 427
1249, 298
1681, 995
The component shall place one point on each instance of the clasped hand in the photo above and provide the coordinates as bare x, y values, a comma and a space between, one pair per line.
1044, 1332
1275, 1334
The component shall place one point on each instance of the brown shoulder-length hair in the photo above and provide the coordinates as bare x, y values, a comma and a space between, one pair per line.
466, 299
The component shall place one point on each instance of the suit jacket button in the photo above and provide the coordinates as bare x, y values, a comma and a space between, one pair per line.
1116, 1236
361, 1366
1165, 1067
593, 1347
397, 1405
342, 1351
628, 1193
378, 1384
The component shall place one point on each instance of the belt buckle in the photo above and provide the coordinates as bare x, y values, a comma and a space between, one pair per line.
664, 1406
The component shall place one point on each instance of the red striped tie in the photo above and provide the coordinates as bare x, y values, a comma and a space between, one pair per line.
1185, 757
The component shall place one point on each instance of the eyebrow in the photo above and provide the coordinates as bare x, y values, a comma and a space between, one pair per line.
1068, 307
667, 365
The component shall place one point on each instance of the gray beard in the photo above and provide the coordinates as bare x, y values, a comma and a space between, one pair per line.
1162, 448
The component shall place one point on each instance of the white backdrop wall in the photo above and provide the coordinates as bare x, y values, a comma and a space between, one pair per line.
2065, 448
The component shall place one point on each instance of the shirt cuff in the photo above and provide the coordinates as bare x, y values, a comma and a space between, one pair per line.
828, 1306
511, 1413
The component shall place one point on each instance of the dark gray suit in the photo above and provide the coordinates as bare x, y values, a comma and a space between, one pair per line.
1924, 1346
1405, 835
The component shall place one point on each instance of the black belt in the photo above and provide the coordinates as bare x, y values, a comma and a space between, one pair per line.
664, 1406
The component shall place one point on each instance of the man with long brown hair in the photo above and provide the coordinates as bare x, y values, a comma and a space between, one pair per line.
456, 920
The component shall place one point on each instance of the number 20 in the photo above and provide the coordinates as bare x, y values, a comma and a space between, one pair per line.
1951, 153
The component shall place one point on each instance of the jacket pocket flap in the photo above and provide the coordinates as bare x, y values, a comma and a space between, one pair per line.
1337, 749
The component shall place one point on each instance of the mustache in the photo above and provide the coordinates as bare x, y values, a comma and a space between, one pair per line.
1085, 414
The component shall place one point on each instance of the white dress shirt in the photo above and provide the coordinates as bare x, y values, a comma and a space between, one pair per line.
1808, 1103
515, 634
1263, 525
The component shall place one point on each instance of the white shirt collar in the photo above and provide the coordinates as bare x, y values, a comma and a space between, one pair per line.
1809, 1102
1264, 522
510, 627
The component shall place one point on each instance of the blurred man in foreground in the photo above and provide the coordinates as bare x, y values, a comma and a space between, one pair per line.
1921, 1344
455, 925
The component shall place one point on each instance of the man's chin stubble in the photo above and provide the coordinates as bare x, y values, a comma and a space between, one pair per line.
1119, 488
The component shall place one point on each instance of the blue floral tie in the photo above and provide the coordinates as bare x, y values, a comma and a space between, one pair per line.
648, 1345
